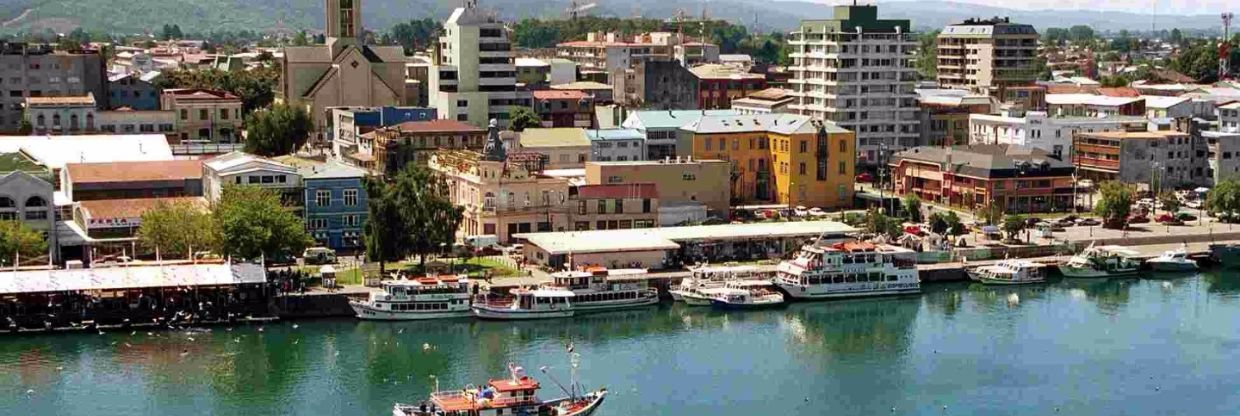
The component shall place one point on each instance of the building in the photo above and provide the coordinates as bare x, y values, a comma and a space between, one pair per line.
857, 72
532, 72
125, 121
602, 54
417, 81
614, 206
1090, 105
474, 78
661, 128
205, 115
388, 150
30, 70
719, 84
691, 54
1168, 107
56, 152
1016, 179
656, 84
118, 220
347, 123
335, 201
344, 72
1223, 155
987, 54
1156, 160
61, 115
616, 144
1229, 117
502, 196
136, 91
239, 168
1036, 129
564, 147
132, 180
783, 159
26, 195
945, 115
768, 101
602, 93
690, 190
1026, 97
564, 108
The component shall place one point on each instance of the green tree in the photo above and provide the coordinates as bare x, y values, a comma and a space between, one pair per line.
1118, 80
1114, 203
912, 207
879, 223
253, 223
422, 196
178, 228
384, 234
300, 39
18, 240
938, 223
415, 35
25, 128
521, 118
1081, 33
1013, 224
1176, 37
280, 130
927, 61
1199, 62
255, 87
954, 226
1224, 200
1170, 202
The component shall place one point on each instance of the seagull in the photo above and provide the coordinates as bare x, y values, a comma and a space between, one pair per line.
295, 341
127, 345
260, 329
191, 339
237, 340
29, 391
60, 368
133, 333
295, 326
401, 331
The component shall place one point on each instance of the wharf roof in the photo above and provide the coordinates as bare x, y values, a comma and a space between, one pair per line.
133, 208
787, 124
438, 126
135, 171
57, 151
554, 137
132, 277
985, 160
615, 134
618, 191
667, 238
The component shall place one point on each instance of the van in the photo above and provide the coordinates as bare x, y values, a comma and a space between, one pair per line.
487, 243
319, 255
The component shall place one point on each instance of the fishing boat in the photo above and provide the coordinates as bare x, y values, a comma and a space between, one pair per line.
849, 269
515, 395
1102, 261
523, 304
412, 299
1227, 255
1009, 272
692, 290
746, 294
1173, 261
598, 289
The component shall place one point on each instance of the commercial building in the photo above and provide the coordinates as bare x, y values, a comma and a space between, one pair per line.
857, 72
347, 123
30, 70
1090, 105
1156, 160
136, 91
564, 108
777, 158
1167, 107
616, 144
690, 190
56, 152
503, 194
564, 148
1223, 156
602, 93
1229, 117
719, 84
770, 100
474, 78
662, 126
205, 115
389, 150
945, 115
1016, 179
125, 121
335, 201
239, 168
344, 72
987, 55
656, 84
614, 206
1037, 129
118, 220
132, 180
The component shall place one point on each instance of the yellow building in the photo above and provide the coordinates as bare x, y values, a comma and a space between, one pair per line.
777, 158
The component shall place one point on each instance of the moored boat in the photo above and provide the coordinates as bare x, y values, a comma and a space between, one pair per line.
1101, 261
693, 290
1009, 272
1227, 255
1173, 261
599, 289
413, 299
745, 294
515, 395
523, 304
852, 269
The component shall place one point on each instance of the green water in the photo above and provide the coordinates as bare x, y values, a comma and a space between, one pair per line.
1082, 347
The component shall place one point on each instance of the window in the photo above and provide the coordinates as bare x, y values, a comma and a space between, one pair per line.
646, 206
350, 197
581, 208
688, 177
322, 198
317, 223
602, 206
843, 146
462, 103
184, 114
352, 220
36, 215
35, 201
802, 168
223, 114
614, 179
804, 146
619, 206
462, 117
203, 114
843, 168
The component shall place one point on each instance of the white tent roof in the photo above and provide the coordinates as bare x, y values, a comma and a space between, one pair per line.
109, 278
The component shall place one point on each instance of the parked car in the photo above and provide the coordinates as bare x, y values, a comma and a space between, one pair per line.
1138, 219
319, 255
817, 212
1088, 222
800, 211
1184, 216
1067, 221
1032, 221
1168, 219
865, 177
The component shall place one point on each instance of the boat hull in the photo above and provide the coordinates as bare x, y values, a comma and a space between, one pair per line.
497, 314
585, 307
744, 306
798, 292
694, 299
363, 310
1005, 282
1091, 273
1226, 255
1159, 266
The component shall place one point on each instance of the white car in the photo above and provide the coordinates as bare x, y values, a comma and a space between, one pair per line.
817, 212
800, 211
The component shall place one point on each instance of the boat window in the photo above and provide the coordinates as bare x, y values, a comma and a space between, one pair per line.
892, 278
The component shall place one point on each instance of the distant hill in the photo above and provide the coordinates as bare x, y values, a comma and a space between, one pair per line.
137, 16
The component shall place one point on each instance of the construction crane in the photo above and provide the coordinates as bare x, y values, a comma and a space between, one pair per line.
1224, 47
575, 8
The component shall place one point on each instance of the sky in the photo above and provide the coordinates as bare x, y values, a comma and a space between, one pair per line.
1133, 6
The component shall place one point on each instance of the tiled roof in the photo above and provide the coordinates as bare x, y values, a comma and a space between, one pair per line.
199, 94
135, 171
986, 160
1118, 92
438, 126
133, 208
559, 95
582, 85
70, 100
618, 191
716, 71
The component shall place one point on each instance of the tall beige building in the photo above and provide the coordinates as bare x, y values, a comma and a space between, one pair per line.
344, 72
473, 77
987, 55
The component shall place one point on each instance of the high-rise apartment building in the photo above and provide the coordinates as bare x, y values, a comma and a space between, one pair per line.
474, 76
987, 55
856, 71
29, 70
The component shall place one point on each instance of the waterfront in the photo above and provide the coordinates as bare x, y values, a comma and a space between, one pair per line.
1149, 346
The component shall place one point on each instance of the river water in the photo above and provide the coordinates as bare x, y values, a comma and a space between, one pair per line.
1165, 346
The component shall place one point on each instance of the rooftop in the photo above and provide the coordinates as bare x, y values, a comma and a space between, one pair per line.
774, 123
15, 161
199, 94
57, 151
985, 160
1089, 99
582, 85
667, 238
618, 191
672, 119
771, 94
135, 171
1134, 135
133, 208
615, 134
438, 126
559, 95
554, 137
81, 100
134, 277
718, 71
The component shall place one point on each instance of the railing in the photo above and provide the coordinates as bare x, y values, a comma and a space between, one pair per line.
206, 148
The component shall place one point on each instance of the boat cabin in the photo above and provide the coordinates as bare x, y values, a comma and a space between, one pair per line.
542, 299
426, 285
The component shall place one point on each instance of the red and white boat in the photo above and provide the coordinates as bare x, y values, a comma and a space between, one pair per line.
515, 395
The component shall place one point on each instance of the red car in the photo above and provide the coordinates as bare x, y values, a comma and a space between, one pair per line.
865, 177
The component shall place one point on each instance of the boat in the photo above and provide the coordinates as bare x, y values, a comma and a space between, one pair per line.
690, 290
1227, 255
1102, 261
598, 289
1173, 261
421, 298
515, 395
848, 269
745, 294
1009, 272
522, 304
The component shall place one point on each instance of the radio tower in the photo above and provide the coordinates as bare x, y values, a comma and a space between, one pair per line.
1224, 49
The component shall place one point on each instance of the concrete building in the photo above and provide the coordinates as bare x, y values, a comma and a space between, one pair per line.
857, 72
656, 84
134, 121
616, 144
945, 115
986, 55
474, 77
661, 128
533, 73
1158, 160
347, 123
132, 180
719, 84
564, 108
690, 190
417, 81
61, 115
344, 71
136, 91
29, 70
768, 101
388, 150
26, 195
783, 159
602, 93
503, 196
564, 148
602, 54
1090, 105
335, 201
691, 54
742, 61
205, 115
1016, 179
239, 168
614, 206
56, 152
116, 221
1229, 117
1223, 156
1167, 107
1036, 129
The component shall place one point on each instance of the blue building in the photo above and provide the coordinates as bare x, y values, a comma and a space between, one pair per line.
335, 207
135, 91
349, 122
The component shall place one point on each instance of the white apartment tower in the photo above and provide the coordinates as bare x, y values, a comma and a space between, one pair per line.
474, 76
857, 71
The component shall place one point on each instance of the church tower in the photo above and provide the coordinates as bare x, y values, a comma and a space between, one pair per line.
344, 23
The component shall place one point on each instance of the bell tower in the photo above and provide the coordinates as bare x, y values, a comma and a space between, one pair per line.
344, 23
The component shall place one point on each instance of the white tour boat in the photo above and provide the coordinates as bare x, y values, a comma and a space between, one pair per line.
515, 395
1009, 272
420, 298
852, 269
746, 294
693, 290
599, 289
1102, 261
1173, 261
541, 303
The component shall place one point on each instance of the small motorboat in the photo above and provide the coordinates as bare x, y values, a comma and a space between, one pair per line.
746, 294
1009, 272
1173, 261
516, 395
